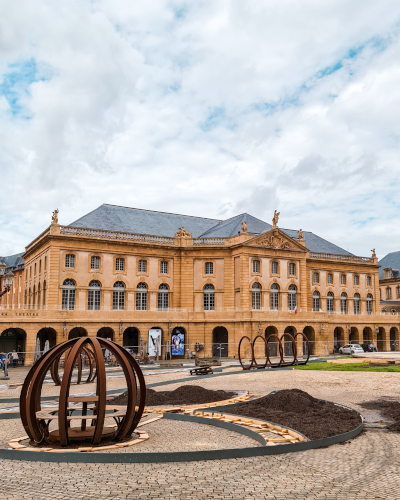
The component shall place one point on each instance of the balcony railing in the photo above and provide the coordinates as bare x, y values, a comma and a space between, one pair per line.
209, 241
115, 235
334, 256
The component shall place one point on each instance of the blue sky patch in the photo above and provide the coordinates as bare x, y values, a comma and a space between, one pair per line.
15, 84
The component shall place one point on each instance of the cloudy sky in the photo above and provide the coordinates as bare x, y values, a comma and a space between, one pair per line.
208, 108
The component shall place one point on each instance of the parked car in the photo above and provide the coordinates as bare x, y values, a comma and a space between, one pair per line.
369, 348
351, 349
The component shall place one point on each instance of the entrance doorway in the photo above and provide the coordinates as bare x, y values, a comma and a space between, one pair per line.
47, 334
220, 342
106, 333
130, 339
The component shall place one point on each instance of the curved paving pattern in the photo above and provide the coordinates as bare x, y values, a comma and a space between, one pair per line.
365, 468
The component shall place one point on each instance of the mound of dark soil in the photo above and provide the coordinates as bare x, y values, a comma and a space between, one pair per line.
293, 408
389, 409
184, 395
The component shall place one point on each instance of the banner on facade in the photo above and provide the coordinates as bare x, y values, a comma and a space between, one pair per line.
178, 343
154, 342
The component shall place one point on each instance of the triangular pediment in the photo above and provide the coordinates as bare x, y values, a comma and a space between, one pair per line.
277, 239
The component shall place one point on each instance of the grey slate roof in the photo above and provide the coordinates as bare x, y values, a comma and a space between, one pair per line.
13, 261
390, 261
135, 220
232, 226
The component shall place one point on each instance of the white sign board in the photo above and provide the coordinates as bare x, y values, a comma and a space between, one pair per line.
154, 334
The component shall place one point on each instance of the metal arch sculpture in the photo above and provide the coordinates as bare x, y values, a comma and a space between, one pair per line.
34, 420
268, 363
54, 370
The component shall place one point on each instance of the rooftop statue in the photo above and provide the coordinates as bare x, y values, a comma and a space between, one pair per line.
54, 217
275, 219
182, 233
244, 227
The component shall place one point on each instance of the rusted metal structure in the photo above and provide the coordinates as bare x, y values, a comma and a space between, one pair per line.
79, 362
37, 421
280, 348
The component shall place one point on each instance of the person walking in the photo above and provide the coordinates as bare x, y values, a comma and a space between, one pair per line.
14, 357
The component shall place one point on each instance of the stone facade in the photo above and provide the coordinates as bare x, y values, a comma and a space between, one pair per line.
253, 282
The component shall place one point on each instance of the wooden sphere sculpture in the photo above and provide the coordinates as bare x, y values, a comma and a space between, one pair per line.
36, 422
85, 351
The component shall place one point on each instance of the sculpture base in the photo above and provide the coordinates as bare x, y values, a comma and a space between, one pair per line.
75, 434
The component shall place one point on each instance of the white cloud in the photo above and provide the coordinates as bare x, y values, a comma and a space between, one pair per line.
206, 108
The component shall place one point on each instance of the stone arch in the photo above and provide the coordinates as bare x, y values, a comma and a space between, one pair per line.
394, 338
354, 335
272, 345
309, 332
338, 336
220, 338
380, 339
77, 332
13, 339
130, 339
368, 336
106, 333
47, 333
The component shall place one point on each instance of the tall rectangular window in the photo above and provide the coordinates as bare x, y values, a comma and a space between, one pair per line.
256, 266
329, 303
70, 260
209, 268
95, 263
68, 299
369, 305
119, 299
119, 264
315, 277
292, 269
356, 280
141, 301
342, 279
330, 278
368, 280
142, 266
388, 293
274, 268
94, 300
164, 267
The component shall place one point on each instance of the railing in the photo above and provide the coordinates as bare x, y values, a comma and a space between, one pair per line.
334, 256
209, 241
115, 235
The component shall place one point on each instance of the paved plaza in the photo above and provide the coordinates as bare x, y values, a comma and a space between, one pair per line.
367, 467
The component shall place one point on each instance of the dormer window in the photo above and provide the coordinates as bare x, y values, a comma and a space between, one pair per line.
388, 273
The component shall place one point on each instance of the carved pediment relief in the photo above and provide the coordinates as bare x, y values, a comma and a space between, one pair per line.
277, 240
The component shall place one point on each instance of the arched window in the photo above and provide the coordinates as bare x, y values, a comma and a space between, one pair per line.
393, 312
209, 268
256, 295
329, 302
33, 296
369, 304
141, 297
316, 301
163, 297
384, 312
356, 302
119, 295
256, 266
44, 294
292, 297
209, 297
274, 297
68, 295
70, 260
343, 303
120, 264
94, 295
164, 267
39, 298
40, 266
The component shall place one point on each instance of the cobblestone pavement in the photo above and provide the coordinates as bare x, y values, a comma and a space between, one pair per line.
364, 468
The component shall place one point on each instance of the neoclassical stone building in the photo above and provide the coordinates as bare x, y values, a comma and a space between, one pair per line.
119, 272
389, 283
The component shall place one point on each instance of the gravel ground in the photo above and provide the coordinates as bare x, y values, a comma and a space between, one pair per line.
365, 468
